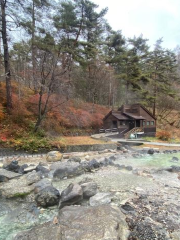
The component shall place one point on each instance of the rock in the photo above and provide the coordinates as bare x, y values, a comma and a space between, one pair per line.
32, 177
74, 159
174, 159
86, 166
82, 223
151, 151
43, 170
45, 231
67, 170
174, 169
71, 195
30, 169
89, 189
54, 156
48, 196
175, 235
43, 183
94, 164
100, 199
20, 187
16, 188
13, 166
22, 167
7, 175
87, 157
113, 158
129, 168
147, 229
127, 208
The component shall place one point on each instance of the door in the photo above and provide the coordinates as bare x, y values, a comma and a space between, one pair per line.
137, 123
114, 125
131, 124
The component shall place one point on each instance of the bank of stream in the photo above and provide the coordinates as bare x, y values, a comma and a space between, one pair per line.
141, 185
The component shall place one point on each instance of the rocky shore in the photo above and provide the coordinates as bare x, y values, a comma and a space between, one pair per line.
123, 194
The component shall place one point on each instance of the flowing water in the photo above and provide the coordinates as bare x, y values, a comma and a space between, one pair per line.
18, 215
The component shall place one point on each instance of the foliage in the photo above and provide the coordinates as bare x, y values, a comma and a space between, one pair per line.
163, 135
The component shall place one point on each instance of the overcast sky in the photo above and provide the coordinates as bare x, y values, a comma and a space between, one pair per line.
153, 18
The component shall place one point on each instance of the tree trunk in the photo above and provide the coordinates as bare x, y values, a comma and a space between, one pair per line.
6, 57
34, 47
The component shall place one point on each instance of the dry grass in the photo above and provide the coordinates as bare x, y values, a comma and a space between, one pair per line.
82, 140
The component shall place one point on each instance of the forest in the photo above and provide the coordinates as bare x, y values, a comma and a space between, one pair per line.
62, 68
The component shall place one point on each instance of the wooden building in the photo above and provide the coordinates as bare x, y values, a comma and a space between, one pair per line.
131, 119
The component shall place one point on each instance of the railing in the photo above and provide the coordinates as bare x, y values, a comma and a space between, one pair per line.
134, 130
102, 130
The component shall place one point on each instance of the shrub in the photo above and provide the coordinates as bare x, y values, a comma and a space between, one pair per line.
163, 135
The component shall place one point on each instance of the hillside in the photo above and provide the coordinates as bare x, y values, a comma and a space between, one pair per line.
64, 117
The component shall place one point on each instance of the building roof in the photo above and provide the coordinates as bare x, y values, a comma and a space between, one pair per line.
135, 116
120, 116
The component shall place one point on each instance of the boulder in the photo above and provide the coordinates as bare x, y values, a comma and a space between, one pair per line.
147, 229
71, 195
151, 151
44, 170
22, 167
7, 175
174, 169
54, 156
20, 187
67, 169
74, 159
100, 199
13, 166
94, 164
82, 223
48, 196
89, 189
32, 177
174, 159
43, 183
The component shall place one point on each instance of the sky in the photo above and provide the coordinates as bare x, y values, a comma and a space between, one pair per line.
153, 18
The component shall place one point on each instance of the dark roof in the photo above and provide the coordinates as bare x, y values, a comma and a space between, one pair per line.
134, 116
120, 116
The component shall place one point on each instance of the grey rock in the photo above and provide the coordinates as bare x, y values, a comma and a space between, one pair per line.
89, 189
174, 159
100, 199
94, 164
82, 223
43, 170
48, 196
71, 195
67, 170
43, 183
74, 159
45, 231
151, 151
32, 177
22, 167
174, 169
148, 230
6, 175
13, 166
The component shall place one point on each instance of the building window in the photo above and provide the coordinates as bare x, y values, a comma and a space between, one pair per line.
122, 123
152, 123
148, 123
144, 123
